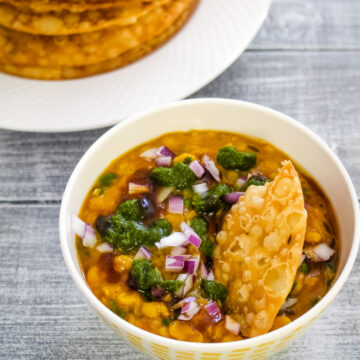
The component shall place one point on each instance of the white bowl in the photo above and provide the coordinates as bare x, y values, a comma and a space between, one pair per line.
307, 149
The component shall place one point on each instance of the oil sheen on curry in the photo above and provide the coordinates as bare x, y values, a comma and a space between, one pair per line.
207, 236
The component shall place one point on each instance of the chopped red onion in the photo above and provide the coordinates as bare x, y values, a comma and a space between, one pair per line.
149, 154
212, 309
164, 151
186, 287
211, 276
211, 168
288, 303
197, 169
164, 161
175, 239
143, 253
174, 263
178, 250
200, 188
191, 265
182, 302
138, 188
232, 325
241, 181
84, 231
232, 198
163, 193
204, 271
189, 310
176, 204
319, 253
104, 247
190, 234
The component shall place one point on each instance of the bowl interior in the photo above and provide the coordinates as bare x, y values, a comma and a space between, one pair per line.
295, 140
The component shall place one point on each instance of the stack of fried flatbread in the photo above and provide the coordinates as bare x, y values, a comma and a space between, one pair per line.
65, 39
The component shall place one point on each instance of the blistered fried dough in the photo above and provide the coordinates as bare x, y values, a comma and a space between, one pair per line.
41, 6
259, 250
66, 22
86, 49
78, 72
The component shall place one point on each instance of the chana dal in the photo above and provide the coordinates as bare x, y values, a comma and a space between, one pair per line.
207, 236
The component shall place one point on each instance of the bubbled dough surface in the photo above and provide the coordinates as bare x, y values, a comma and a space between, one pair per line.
254, 257
55, 73
41, 6
22, 49
66, 22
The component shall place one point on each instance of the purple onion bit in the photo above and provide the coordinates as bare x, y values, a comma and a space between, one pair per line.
143, 253
176, 204
233, 197
191, 265
213, 310
165, 151
211, 168
190, 234
197, 169
164, 161
189, 310
174, 263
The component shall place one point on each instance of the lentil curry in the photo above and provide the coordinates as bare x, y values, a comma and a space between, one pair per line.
163, 240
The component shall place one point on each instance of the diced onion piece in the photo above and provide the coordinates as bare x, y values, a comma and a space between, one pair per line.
232, 325
174, 263
200, 188
189, 310
175, 239
288, 303
176, 204
84, 231
163, 193
149, 154
163, 161
187, 286
104, 247
178, 250
233, 197
211, 168
240, 182
212, 309
197, 169
143, 253
182, 302
138, 188
206, 274
211, 276
318, 253
164, 151
191, 265
190, 234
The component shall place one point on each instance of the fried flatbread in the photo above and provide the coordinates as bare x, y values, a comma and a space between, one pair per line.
259, 250
78, 72
22, 49
66, 22
41, 6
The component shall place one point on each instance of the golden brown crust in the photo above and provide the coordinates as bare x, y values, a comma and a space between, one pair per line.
57, 73
259, 250
41, 6
66, 22
77, 50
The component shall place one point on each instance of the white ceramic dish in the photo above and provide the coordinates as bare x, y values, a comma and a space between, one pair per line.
215, 36
302, 145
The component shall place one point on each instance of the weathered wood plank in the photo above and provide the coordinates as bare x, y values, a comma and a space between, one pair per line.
321, 90
308, 24
43, 315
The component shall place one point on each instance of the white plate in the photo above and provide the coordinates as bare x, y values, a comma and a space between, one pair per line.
212, 40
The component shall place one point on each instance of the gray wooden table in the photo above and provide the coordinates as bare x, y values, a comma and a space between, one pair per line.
304, 62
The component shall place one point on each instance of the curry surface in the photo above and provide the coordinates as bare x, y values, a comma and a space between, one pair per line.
107, 273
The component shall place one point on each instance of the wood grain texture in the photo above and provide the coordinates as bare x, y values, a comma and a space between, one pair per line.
305, 62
